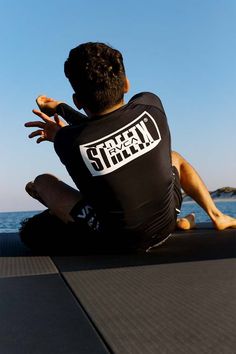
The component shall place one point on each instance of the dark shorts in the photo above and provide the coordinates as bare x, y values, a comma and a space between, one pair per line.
91, 238
166, 232
177, 191
46, 234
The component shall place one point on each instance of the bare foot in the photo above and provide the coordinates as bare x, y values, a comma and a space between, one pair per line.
187, 222
223, 222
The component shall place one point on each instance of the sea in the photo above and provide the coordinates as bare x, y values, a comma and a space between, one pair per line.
10, 221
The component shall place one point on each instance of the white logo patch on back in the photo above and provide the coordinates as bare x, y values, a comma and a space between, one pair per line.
113, 151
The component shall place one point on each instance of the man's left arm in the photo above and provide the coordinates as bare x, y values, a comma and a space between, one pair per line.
50, 106
71, 116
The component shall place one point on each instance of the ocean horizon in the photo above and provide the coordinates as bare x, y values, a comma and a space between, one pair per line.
10, 220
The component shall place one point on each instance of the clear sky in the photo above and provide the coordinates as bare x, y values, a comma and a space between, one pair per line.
182, 50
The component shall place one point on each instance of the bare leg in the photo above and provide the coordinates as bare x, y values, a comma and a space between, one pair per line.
54, 194
193, 186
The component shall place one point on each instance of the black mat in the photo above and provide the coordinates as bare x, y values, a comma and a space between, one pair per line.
179, 298
166, 308
39, 315
38, 312
203, 243
11, 245
22, 266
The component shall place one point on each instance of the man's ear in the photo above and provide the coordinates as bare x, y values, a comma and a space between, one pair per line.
126, 85
76, 101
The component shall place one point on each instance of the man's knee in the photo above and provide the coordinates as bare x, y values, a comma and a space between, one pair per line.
176, 159
179, 162
45, 178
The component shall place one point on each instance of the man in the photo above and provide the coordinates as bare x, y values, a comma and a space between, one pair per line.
119, 157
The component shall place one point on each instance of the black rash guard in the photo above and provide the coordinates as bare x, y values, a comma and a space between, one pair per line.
121, 163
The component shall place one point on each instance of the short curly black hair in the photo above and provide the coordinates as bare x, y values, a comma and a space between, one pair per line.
96, 73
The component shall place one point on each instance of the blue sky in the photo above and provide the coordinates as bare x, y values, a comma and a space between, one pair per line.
182, 50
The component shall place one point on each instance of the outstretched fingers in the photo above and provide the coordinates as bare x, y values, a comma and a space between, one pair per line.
42, 115
36, 133
35, 124
48, 127
58, 121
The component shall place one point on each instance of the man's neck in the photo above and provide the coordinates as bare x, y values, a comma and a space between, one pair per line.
106, 111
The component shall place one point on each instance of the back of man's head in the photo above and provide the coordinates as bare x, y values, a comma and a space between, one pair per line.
97, 75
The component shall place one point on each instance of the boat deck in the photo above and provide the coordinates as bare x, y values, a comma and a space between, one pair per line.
179, 298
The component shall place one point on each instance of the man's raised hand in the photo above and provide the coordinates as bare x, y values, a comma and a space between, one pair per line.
48, 126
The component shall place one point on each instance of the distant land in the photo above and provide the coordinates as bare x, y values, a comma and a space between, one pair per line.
221, 193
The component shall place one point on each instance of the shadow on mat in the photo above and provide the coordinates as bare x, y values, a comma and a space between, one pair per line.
11, 246
200, 244
196, 245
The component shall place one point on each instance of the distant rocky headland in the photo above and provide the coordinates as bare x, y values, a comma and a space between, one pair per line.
221, 193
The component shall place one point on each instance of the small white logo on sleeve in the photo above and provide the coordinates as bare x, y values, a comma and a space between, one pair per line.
122, 146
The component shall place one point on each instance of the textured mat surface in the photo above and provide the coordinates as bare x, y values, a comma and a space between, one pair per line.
39, 315
22, 266
166, 308
11, 245
203, 243
180, 298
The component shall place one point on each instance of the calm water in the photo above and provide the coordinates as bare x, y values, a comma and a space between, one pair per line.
10, 221
227, 207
